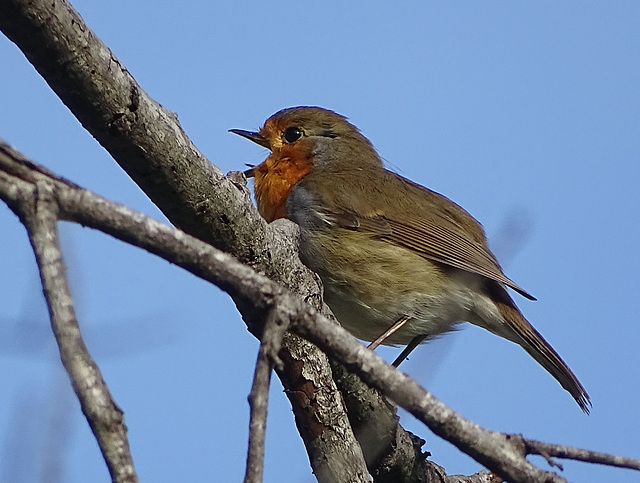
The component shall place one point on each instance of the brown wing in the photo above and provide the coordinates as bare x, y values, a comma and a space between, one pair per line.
438, 240
417, 218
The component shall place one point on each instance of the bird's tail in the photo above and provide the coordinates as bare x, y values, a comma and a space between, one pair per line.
525, 335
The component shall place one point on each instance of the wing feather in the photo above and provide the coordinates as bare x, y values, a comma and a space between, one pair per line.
442, 242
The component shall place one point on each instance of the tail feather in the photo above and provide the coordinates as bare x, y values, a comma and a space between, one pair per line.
524, 334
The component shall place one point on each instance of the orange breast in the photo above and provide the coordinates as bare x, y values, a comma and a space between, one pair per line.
274, 179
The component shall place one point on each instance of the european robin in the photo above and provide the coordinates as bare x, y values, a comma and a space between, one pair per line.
400, 263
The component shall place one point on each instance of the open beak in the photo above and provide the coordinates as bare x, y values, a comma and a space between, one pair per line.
256, 138
252, 136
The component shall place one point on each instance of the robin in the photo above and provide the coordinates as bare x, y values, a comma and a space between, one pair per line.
400, 263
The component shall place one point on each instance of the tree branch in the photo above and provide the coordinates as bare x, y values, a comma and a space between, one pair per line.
548, 450
259, 396
37, 207
258, 403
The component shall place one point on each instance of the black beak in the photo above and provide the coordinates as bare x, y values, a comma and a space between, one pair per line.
252, 136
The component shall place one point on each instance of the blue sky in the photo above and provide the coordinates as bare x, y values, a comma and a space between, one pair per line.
528, 115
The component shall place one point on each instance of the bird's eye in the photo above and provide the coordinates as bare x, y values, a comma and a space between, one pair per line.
292, 134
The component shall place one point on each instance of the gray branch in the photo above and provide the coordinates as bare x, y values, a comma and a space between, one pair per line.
548, 451
37, 207
270, 344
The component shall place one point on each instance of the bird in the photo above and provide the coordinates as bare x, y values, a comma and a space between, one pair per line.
400, 263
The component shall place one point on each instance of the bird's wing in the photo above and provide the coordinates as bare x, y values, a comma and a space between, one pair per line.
434, 236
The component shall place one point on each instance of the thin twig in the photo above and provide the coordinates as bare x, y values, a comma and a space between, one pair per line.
258, 404
259, 395
105, 417
578, 454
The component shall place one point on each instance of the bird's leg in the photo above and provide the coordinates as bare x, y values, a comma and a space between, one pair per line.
415, 342
387, 333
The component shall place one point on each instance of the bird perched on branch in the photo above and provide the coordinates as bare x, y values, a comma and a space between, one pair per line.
399, 263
